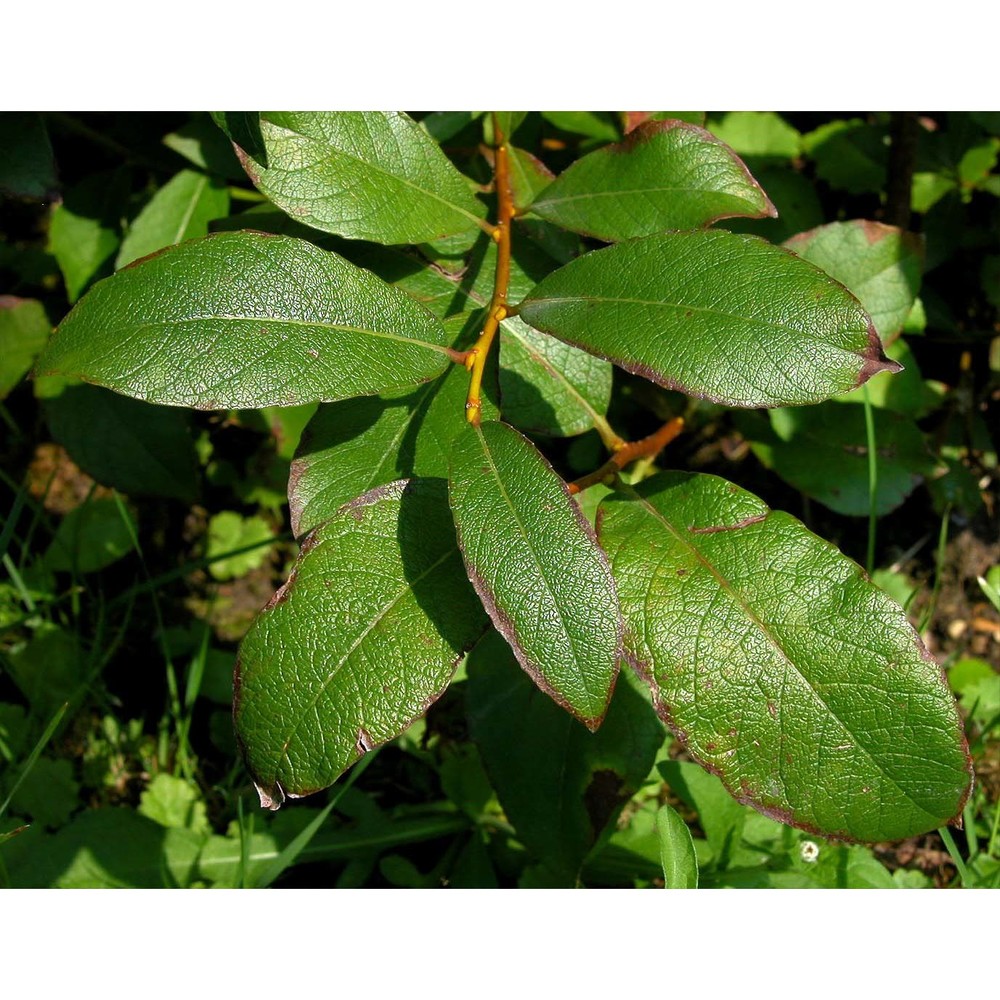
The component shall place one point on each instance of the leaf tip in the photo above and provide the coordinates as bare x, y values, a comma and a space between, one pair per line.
270, 798
874, 360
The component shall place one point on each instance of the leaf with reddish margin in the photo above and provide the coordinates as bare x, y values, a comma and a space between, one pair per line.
665, 175
245, 320
534, 560
781, 665
358, 643
716, 315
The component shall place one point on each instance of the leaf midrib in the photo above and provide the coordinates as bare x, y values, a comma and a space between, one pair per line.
534, 555
543, 301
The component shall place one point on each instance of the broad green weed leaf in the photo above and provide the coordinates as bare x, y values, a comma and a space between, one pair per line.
181, 210
48, 794
367, 175
598, 125
229, 531
174, 802
106, 849
879, 264
725, 317
850, 155
763, 135
665, 175
133, 446
785, 669
28, 168
86, 229
91, 537
793, 196
24, 328
48, 667
201, 143
680, 863
359, 642
243, 320
535, 562
579, 780
823, 451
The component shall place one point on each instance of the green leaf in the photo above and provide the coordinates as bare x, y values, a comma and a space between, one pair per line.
28, 168
91, 537
201, 143
785, 669
228, 531
680, 863
761, 134
181, 210
850, 155
352, 446
536, 565
794, 198
599, 125
243, 320
132, 446
85, 229
720, 817
560, 785
48, 668
528, 177
665, 175
243, 129
174, 802
880, 264
363, 637
725, 317
548, 386
823, 452
48, 793
907, 393
24, 328
108, 849
367, 175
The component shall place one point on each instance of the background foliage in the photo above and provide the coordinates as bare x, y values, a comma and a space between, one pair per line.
138, 541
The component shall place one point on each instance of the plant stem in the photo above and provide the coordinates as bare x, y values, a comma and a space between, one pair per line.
647, 447
497, 309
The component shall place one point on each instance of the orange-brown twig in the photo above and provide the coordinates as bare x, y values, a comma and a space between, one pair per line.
498, 310
648, 447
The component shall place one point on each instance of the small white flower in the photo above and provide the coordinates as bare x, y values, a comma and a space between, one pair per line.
809, 851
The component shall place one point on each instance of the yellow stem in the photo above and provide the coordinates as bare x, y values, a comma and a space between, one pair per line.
627, 452
498, 309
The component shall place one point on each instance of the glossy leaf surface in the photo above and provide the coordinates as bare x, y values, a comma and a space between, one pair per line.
180, 210
725, 317
665, 175
535, 562
880, 264
246, 320
367, 175
352, 446
559, 784
359, 642
548, 386
785, 669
